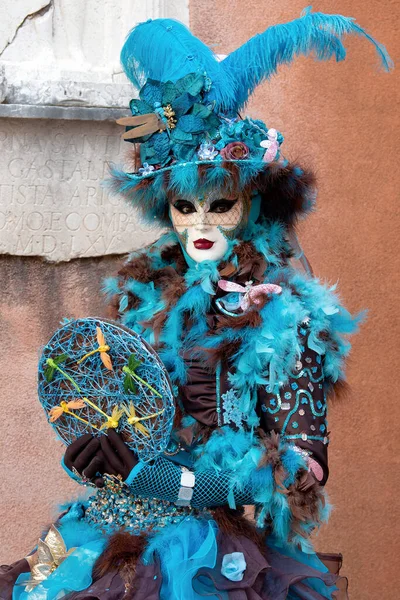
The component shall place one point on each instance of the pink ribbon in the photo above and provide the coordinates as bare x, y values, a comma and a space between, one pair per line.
316, 469
252, 294
271, 145
312, 464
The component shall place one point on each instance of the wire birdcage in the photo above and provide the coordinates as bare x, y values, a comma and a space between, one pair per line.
95, 375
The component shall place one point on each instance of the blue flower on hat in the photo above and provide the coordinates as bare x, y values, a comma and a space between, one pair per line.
146, 169
186, 119
233, 566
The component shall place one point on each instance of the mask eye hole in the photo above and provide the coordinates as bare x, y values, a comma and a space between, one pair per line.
222, 206
184, 207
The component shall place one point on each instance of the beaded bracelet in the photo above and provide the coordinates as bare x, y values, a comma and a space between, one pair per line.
185, 493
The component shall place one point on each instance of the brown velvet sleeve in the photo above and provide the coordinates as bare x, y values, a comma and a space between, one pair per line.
198, 395
298, 410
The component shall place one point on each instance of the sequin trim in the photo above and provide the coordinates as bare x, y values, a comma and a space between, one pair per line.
301, 396
308, 372
114, 506
218, 390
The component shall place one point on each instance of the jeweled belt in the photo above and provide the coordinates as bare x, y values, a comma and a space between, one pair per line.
114, 506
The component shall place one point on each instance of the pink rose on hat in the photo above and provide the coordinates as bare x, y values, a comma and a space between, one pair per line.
235, 151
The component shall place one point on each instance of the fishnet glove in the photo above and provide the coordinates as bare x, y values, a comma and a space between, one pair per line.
163, 480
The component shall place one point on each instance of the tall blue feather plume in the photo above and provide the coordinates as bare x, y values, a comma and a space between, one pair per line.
259, 58
166, 50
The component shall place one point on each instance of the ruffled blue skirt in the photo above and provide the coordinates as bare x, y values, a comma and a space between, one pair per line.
191, 560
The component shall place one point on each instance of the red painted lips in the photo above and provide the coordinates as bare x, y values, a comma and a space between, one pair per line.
203, 244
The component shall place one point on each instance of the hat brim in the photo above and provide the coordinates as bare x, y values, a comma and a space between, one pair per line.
287, 190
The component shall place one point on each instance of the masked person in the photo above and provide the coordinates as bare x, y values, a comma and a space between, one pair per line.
254, 347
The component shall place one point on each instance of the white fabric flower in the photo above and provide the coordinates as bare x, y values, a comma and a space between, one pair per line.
233, 566
207, 151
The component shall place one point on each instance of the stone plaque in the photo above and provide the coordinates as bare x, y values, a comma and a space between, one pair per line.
53, 202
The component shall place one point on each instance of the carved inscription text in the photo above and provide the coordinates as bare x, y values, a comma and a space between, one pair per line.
53, 202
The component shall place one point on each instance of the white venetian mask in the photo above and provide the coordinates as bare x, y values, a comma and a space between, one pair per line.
205, 225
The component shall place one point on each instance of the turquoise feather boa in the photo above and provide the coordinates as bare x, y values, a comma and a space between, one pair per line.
267, 353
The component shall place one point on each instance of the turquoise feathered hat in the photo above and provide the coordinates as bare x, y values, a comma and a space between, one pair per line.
186, 119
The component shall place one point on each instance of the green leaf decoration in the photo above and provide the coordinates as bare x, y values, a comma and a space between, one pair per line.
129, 385
133, 362
50, 370
49, 373
60, 359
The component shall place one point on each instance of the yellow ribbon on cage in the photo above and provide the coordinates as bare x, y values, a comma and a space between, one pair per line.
103, 348
113, 421
67, 408
134, 420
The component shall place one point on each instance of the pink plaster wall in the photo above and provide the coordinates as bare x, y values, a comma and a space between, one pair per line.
341, 120
329, 115
34, 297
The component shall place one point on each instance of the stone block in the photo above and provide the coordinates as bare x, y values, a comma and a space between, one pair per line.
66, 52
53, 202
